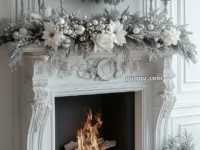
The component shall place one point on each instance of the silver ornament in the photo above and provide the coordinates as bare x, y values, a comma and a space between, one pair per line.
66, 31
124, 17
150, 27
80, 30
136, 30
98, 28
23, 31
163, 27
141, 26
66, 16
89, 24
158, 45
103, 26
70, 32
75, 26
60, 20
130, 25
16, 35
103, 31
85, 17
103, 19
95, 22
66, 43
66, 27
156, 39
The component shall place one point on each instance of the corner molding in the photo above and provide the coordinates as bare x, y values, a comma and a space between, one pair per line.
165, 97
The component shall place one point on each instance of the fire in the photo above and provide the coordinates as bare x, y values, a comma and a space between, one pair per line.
88, 136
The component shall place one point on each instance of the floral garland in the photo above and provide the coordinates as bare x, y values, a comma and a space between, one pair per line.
109, 31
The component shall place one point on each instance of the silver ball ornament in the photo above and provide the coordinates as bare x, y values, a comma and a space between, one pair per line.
141, 26
163, 27
60, 20
89, 24
136, 30
103, 26
23, 31
95, 22
16, 35
158, 45
156, 39
124, 17
66, 31
103, 19
66, 43
85, 17
80, 30
70, 32
150, 27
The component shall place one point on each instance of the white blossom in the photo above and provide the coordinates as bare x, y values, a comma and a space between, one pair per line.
170, 37
52, 36
118, 33
103, 42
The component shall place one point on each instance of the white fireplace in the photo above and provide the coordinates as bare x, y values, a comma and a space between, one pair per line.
43, 83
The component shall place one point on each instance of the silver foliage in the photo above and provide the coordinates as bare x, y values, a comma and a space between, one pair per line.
141, 34
180, 142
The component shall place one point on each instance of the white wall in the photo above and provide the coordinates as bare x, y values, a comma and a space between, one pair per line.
6, 104
8, 100
186, 113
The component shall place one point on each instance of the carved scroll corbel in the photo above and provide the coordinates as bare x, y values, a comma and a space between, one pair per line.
40, 104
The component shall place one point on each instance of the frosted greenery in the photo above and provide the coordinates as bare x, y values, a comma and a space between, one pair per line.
111, 2
144, 33
180, 142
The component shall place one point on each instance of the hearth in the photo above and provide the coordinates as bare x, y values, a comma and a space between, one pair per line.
117, 121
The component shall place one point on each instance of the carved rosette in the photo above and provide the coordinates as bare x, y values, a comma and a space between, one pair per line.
164, 96
106, 69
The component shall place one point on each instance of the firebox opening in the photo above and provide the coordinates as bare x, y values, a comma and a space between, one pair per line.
118, 116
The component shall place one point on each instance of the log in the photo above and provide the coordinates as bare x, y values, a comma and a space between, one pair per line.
71, 146
103, 145
99, 142
107, 145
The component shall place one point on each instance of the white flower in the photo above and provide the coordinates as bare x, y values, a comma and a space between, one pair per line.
52, 36
103, 42
170, 37
118, 33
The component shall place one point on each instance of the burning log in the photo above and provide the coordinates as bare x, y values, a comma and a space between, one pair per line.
103, 145
87, 138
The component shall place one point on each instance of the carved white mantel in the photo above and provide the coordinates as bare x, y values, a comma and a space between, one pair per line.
44, 83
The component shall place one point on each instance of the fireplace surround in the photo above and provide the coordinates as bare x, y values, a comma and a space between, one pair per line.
153, 99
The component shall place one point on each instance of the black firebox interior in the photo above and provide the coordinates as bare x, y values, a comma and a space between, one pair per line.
118, 117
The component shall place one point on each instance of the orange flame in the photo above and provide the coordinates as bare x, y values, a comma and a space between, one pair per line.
87, 137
